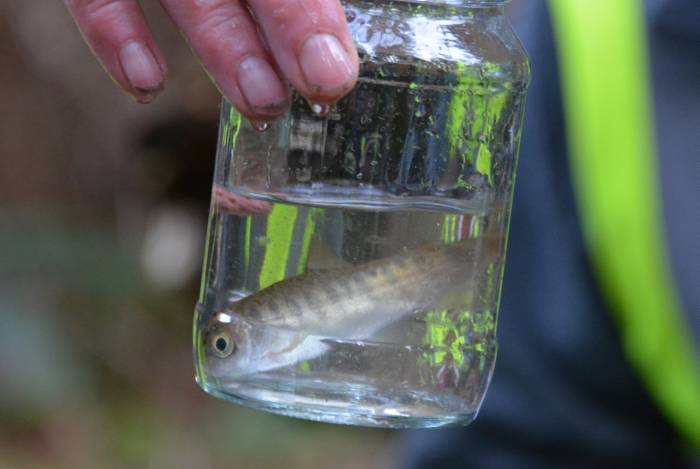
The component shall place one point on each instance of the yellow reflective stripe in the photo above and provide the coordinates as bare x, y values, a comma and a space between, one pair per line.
280, 231
246, 243
306, 240
484, 111
450, 226
458, 111
602, 54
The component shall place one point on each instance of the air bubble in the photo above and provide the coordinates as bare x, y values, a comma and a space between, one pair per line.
260, 126
320, 110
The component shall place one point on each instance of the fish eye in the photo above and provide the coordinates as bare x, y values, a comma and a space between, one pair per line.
221, 345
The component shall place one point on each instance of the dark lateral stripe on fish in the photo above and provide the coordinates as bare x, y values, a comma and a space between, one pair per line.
358, 284
275, 305
310, 298
313, 304
379, 274
293, 305
341, 289
333, 293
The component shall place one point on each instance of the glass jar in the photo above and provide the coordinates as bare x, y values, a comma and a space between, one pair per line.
355, 254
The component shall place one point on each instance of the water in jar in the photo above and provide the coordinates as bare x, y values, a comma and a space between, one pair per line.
374, 316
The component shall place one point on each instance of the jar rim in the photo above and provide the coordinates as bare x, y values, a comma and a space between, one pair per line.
468, 3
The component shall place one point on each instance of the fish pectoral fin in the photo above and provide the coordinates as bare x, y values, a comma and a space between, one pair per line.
312, 347
300, 349
292, 346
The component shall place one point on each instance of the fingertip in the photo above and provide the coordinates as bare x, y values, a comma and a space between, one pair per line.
329, 69
226, 39
120, 38
264, 92
312, 46
144, 73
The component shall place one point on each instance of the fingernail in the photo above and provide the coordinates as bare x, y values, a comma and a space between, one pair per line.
141, 70
261, 87
325, 63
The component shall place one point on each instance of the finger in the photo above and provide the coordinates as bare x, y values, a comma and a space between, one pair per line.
224, 36
117, 32
311, 44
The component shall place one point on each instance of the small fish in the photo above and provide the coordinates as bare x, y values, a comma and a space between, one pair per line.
287, 322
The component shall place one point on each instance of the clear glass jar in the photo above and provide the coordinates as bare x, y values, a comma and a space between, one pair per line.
355, 254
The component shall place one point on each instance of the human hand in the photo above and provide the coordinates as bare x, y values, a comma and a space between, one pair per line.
250, 48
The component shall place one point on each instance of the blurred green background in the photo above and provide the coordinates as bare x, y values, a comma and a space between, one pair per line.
103, 204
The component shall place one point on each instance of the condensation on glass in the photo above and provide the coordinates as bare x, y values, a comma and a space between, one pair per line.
354, 259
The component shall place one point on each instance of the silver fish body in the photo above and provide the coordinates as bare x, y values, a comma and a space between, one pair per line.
288, 322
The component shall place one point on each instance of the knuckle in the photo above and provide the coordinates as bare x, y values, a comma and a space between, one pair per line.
109, 21
294, 20
224, 19
283, 12
220, 21
97, 10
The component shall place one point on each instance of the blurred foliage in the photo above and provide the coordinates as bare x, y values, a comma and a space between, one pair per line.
97, 371
96, 364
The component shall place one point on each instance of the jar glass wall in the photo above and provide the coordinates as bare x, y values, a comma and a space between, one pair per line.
355, 254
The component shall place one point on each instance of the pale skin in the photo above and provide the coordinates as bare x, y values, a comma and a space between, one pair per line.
252, 49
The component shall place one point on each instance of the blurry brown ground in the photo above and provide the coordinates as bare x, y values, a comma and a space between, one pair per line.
103, 205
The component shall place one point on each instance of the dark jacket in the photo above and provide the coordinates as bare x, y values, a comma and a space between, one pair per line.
563, 393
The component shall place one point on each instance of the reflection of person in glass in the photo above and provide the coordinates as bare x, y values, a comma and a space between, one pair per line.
598, 365
235, 204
